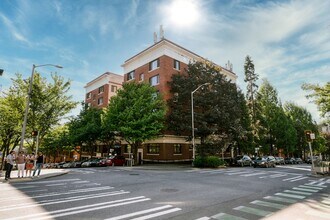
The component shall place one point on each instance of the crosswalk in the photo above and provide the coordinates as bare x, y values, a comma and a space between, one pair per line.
261, 174
268, 205
73, 199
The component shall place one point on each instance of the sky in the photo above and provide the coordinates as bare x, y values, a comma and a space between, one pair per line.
288, 40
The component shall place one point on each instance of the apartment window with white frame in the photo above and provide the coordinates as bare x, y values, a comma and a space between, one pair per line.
176, 65
131, 75
177, 149
113, 88
153, 149
100, 101
101, 89
154, 80
154, 64
141, 77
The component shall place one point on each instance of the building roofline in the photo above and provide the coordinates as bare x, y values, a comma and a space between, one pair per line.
101, 76
171, 42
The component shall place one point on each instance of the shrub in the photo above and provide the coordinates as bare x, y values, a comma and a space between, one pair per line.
208, 161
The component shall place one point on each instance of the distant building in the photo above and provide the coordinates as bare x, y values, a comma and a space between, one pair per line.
156, 65
100, 90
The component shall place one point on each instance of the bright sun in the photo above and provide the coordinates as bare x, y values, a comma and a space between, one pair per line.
183, 12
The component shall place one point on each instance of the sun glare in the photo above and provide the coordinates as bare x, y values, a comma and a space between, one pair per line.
183, 12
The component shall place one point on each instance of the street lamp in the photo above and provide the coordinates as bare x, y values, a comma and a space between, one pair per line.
192, 117
28, 102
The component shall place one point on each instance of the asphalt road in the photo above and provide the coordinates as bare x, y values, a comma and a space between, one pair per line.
167, 192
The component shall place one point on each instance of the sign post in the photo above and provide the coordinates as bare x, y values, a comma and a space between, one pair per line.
310, 137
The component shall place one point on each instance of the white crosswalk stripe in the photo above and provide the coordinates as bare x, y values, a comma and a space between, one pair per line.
79, 201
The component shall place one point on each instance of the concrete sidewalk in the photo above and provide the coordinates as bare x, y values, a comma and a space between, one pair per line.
45, 173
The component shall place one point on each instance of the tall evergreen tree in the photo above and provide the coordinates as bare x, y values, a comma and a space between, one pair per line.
251, 92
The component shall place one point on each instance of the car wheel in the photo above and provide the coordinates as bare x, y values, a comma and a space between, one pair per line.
267, 165
242, 164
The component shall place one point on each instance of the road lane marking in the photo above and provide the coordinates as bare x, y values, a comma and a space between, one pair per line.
140, 212
268, 204
280, 199
298, 192
298, 179
56, 184
203, 218
237, 173
310, 187
254, 211
60, 200
304, 189
82, 209
290, 195
292, 178
42, 182
253, 174
224, 216
157, 214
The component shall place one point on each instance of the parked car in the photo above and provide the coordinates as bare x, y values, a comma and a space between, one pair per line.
265, 161
59, 165
298, 160
279, 160
117, 161
244, 161
87, 163
309, 161
290, 160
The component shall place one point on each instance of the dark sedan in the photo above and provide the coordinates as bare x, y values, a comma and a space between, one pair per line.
264, 162
290, 160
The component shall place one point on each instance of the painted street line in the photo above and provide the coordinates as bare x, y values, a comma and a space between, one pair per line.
33, 191
80, 182
298, 192
295, 168
314, 183
203, 218
290, 195
82, 209
292, 178
140, 212
280, 199
305, 190
224, 216
56, 184
253, 174
311, 187
157, 214
268, 204
42, 182
253, 211
59, 194
277, 175
326, 201
237, 173
61, 200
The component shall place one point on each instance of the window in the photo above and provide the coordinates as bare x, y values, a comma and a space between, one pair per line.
101, 89
154, 65
113, 88
176, 65
94, 96
177, 149
141, 78
100, 101
154, 80
153, 149
131, 75
88, 95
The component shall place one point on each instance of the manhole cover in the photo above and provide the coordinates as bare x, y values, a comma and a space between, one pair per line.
169, 190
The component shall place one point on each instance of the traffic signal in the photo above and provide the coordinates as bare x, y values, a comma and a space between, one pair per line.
308, 135
34, 133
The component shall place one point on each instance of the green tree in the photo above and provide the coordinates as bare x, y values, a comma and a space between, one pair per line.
321, 96
49, 103
136, 113
85, 130
302, 120
251, 92
218, 112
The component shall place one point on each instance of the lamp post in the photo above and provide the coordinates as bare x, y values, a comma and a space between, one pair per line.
28, 102
192, 117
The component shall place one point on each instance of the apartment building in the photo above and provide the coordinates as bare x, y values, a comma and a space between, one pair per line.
100, 90
156, 65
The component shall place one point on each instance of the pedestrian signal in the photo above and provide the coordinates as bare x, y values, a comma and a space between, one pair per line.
308, 135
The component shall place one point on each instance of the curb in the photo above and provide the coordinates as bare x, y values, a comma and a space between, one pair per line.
44, 176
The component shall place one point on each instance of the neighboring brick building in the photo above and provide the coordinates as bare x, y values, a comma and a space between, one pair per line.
100, 90
156, 65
